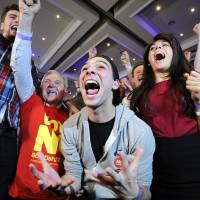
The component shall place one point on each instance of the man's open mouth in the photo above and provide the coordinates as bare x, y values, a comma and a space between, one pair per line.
140, 79
159, 56
92, 87
52, 92
14, 27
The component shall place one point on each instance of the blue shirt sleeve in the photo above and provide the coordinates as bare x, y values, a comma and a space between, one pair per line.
21, 65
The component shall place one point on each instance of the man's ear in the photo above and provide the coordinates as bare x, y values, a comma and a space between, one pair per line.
66, 94
116, 84
2, 26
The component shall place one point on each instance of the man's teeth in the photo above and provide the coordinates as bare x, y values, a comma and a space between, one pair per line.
51, 92
14, 27
91, 81
91, 85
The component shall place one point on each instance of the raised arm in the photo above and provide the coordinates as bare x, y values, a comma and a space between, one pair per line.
196, 29
125, 60
21, 52
193, 85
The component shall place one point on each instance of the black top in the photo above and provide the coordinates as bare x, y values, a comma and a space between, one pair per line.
5, 50
176, 167
99, 133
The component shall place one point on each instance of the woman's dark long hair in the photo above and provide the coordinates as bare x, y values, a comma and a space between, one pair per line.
179, 66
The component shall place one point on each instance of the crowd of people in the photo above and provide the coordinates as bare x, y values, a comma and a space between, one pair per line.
131, 139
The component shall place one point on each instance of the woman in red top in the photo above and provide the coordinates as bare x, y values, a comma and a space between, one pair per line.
164, 102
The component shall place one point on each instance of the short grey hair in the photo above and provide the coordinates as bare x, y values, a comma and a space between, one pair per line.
58, 73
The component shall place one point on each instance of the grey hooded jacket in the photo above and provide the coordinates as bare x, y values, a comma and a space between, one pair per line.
129, 132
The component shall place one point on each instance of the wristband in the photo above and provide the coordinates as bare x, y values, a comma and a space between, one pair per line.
24, 37
139, 196
197, 108
128, 67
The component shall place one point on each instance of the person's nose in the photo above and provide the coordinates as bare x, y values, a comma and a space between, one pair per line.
91, 70
158, 46
51, 84
17, 20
